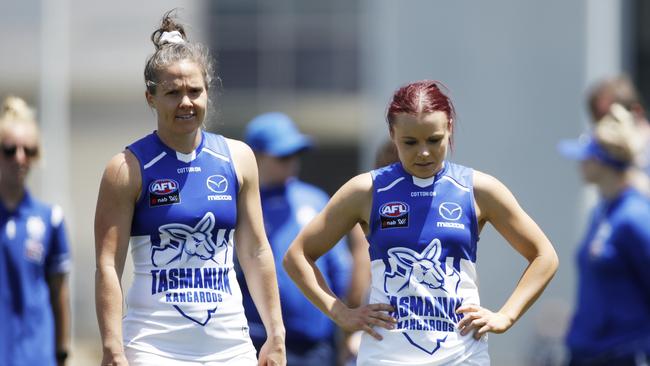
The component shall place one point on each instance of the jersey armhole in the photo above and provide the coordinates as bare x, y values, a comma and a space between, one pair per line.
372, 217
473, 218
222, 140
141, 167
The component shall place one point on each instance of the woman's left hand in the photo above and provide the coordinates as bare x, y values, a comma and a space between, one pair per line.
480, 320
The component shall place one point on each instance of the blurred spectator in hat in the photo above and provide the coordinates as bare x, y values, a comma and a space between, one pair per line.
611, 321
288, 204
621, 90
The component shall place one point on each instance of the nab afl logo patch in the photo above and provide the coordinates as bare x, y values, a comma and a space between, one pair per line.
394, 214
163, 192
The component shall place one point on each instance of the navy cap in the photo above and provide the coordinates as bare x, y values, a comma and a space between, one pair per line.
586, 147
275, 134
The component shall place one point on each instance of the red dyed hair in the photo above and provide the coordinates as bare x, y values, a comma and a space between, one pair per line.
424, 96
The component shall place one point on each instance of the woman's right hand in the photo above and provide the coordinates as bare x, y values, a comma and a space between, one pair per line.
273, 353
114, 359
365, 318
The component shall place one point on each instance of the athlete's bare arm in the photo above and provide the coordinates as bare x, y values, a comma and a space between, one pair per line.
496, 204
118, 192
255, 255
348, 207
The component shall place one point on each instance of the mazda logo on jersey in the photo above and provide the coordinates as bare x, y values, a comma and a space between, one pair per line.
450, 211
394, 214
163, 192
217, 183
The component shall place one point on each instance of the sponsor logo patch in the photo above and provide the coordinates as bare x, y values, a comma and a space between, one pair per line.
450, 211
189, 169
163, 192
34, 251
394, 214
217, 183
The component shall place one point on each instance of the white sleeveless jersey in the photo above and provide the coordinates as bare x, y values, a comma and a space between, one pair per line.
423, 235
185, 302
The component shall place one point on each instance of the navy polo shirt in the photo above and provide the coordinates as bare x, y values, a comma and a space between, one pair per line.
33, 245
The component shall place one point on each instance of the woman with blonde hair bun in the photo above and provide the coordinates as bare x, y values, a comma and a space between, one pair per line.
34, 252
611, 324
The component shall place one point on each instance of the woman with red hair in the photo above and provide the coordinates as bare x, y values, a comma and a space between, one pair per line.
422, 217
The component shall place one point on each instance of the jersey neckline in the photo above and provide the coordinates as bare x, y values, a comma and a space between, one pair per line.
425, 182
186, 158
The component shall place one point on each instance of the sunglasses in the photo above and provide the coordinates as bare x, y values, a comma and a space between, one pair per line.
9, 151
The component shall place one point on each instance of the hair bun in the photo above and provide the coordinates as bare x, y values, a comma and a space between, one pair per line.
169, 32
16, 108
170, 37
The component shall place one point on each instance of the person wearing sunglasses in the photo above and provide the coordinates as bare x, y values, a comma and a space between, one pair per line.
34, 252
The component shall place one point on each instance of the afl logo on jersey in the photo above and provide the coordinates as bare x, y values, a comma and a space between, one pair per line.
394, 214
162, 187
163, 192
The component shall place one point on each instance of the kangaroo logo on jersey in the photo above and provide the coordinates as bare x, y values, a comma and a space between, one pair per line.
179, 242
394, 214
163, 192
191, 287
424, 293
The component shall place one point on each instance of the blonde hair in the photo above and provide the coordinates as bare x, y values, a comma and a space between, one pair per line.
617, 134
16, 112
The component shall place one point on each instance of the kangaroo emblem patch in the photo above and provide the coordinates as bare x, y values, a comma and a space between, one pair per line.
183, 279
423, 290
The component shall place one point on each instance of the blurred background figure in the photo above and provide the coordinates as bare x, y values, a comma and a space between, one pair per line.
620, 89
34, 252
360, 282
546, 341
386, 154
288, 204
611, 322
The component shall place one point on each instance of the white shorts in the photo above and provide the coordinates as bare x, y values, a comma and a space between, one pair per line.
140, 358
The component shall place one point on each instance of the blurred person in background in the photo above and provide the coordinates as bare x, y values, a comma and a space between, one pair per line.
621, 90
611, 322
288, 204
184, 200
386, 154
34, 253
422, 217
